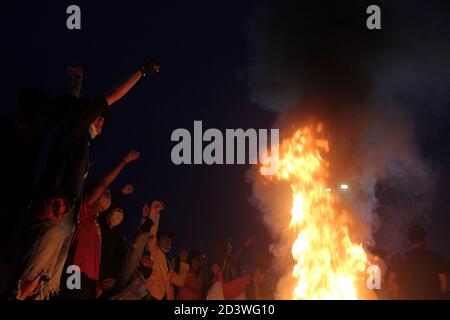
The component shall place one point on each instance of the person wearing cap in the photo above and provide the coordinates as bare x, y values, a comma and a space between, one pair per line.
164, 277
68, 166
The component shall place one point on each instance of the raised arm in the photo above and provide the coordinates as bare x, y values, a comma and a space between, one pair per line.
121, 89
154, 212
179, 278
135, 254
110, 177
77, 79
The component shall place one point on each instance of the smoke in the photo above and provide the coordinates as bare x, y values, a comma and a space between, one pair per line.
317, 59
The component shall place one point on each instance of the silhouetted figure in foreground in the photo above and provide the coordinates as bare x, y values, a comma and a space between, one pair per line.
421, 274
22, 136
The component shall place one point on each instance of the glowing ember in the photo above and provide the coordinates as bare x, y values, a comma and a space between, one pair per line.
327, 261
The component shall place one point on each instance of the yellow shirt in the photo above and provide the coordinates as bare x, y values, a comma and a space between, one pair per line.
163, 278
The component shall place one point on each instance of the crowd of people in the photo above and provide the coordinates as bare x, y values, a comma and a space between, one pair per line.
64, 224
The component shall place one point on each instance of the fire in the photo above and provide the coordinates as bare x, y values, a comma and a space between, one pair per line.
327, 261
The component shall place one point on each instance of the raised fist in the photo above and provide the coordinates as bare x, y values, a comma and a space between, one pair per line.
131, 156
128, 189
156, 206
150, 67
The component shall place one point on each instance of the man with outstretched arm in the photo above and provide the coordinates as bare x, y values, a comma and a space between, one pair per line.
68, 166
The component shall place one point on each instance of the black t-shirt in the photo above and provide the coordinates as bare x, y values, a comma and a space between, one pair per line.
22, 138
68, 160
418, 271
113, 245
113, 252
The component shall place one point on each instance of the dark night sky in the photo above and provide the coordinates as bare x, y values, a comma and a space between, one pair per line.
203, 50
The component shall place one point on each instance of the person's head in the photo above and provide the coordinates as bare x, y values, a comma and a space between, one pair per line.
215, 269
221, 247
104, 202
53, 208
417, 235
116, 215
164, 240
57, 207
377, 252
196, 260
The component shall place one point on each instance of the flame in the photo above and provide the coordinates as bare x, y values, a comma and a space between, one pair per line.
327, 262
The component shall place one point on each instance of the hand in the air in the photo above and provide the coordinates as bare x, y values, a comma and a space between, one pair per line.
183, 256
132, 156
156, 207
151, 67
128, 189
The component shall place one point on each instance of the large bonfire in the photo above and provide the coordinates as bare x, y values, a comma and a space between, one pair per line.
327, 262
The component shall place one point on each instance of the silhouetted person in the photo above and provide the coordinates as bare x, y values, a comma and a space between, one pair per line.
22, 136
113, 248
66, 171
85, 251
420, 273
138, 264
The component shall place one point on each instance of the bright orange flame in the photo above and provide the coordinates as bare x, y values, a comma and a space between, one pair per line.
327, 261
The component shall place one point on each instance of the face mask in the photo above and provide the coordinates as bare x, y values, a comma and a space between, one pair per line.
93, 131
164, 249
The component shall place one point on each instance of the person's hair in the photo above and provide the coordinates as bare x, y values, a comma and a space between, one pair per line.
377, 252
39, 205
165, 233
194, 254
416, 234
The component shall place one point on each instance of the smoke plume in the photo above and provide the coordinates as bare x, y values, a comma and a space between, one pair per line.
317, 59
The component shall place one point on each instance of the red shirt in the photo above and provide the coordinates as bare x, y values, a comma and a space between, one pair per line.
86, 242
192, 289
